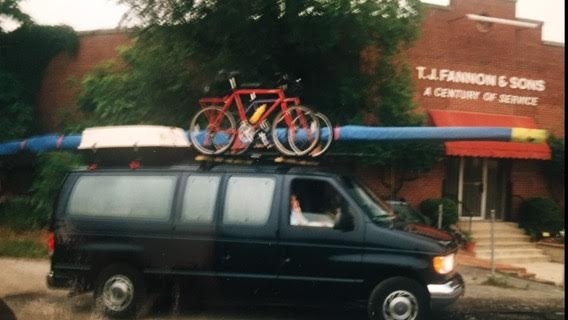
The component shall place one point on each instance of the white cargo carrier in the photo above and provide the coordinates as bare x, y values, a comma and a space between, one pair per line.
134, 136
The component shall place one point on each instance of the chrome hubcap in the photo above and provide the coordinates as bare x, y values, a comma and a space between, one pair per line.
118, 292
400, 305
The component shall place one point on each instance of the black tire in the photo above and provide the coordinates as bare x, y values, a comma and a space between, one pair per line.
201, 123
407, 299
120, 291
327, 135
284, 143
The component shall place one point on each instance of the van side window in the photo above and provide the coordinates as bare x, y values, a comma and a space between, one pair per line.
316, 203
143, 197
248, 200
200, 198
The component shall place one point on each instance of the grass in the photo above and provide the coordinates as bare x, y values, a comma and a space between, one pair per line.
23, 244
498, 281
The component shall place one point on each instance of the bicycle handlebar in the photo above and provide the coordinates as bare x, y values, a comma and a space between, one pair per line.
283, 80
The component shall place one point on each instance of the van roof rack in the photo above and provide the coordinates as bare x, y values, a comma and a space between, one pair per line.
273, 159
164, 156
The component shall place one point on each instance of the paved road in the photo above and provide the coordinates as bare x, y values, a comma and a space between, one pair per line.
23, 295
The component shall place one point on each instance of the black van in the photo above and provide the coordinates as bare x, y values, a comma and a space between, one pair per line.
274, 230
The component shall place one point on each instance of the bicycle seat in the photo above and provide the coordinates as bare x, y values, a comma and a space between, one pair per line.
224, 74
233, 73
250, 85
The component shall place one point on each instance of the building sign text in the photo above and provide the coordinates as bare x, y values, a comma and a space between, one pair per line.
480, 79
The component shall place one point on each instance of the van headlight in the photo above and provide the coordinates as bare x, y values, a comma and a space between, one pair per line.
444, 264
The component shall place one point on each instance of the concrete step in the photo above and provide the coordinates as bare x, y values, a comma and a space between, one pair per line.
487, 227
512, 245
507, 252
505, 245
484, 224
520, 259
497, 231
502, 237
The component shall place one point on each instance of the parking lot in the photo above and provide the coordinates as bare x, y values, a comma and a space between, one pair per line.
23, 295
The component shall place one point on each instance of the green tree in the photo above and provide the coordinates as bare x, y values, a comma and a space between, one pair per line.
11, 9
24, 55
183, 44
556, 165
347, 53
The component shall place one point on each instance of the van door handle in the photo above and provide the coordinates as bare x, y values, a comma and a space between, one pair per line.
226, 257
287, 260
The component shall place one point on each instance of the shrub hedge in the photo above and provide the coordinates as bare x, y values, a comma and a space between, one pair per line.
538, 215
429, 208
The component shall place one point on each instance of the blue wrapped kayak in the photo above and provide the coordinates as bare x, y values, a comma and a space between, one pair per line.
349, 133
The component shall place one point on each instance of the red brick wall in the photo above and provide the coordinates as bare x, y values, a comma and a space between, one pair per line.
450, 41
428, 185
58, 91
528, 181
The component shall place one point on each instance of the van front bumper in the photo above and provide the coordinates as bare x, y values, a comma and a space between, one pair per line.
444, 294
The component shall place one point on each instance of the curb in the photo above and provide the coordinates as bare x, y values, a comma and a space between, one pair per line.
467, 259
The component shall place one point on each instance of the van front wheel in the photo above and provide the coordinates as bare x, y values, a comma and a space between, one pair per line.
398, 298
120, 291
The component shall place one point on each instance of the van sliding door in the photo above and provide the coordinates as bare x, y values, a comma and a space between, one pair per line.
246, 253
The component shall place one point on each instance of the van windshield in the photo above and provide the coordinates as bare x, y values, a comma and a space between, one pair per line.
379, 212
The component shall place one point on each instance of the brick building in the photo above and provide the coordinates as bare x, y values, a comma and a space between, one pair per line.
478, 73
59, 85
475, 64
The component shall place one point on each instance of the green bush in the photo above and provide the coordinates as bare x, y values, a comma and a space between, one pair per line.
429, 208
538, 215
33, 212
23, 249
21, 213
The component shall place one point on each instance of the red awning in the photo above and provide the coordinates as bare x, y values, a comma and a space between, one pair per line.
489, 149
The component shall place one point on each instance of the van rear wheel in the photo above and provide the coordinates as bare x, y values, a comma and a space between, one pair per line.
398, 298
119, 291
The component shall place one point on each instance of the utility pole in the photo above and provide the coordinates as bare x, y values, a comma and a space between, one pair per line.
440, 212
492, 242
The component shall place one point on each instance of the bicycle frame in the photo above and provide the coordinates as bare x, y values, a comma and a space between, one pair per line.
228, 100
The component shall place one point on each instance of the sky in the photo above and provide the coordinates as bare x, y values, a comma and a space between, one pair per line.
84, 15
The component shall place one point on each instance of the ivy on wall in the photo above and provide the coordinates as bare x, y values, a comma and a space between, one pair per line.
24, 55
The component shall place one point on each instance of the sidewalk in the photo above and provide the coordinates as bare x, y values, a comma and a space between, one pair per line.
543, 272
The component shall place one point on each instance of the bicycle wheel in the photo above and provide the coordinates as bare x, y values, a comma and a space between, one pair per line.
295, 131
244, 139
326, 135
212, 131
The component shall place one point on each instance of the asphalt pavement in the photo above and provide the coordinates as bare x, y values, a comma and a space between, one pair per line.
23, 295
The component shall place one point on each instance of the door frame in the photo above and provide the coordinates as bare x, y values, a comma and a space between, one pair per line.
484, 179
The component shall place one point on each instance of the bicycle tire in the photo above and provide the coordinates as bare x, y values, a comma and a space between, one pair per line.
294, 148
201, 119
241, 146
326, 131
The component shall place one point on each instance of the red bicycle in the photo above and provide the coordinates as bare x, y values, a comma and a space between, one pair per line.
295, 131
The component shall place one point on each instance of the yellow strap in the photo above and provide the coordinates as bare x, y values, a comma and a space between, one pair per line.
528, 135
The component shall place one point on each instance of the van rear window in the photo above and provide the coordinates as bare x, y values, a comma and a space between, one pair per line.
138, 197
